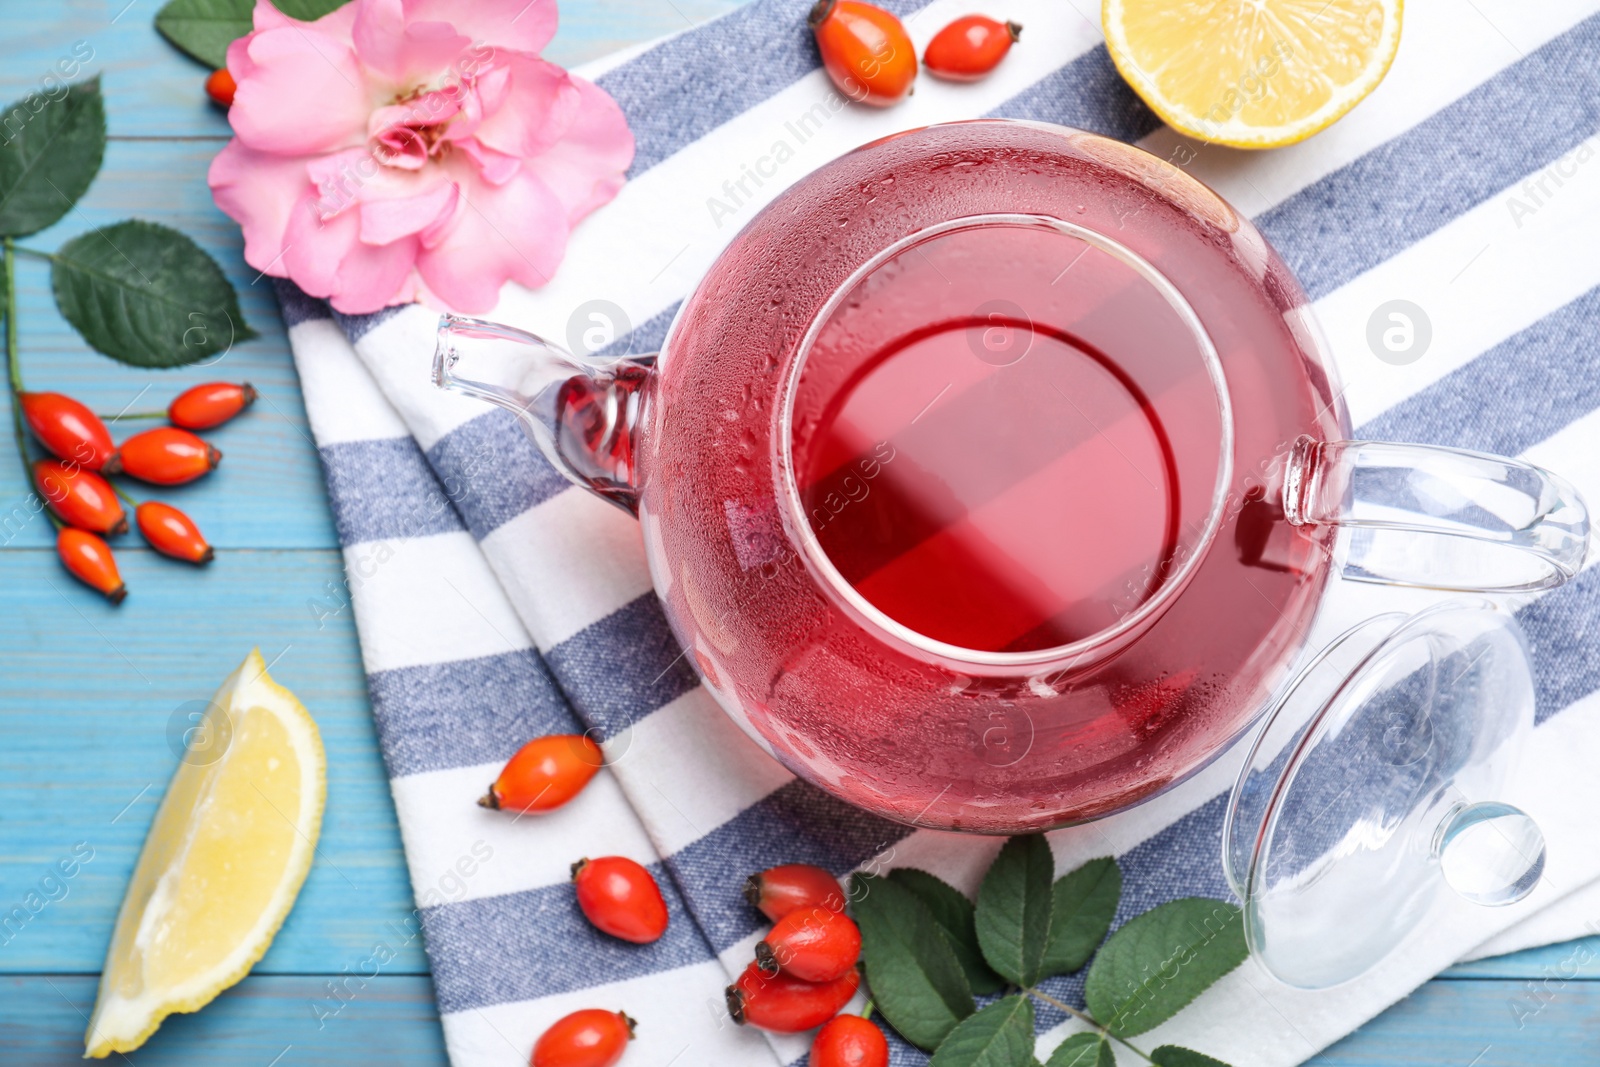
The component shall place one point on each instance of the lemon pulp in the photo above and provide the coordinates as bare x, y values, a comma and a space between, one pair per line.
222, 864
1252, 73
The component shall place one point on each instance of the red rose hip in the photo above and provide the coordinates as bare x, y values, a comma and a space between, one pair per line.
79, 497
588, 1038
220, 87
620, 898
865, 50
785, 1004
89, 559
970, 47
165, 455
210, 404
815, 944
850, 1041
545, 773
67, 428
171, 532
779, 890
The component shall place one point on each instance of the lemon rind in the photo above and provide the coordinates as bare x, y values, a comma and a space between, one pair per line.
103, 1038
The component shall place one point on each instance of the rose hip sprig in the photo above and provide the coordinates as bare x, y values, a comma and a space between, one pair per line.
79, 499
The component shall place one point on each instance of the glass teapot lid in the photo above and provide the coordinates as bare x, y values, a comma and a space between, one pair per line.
1373, 785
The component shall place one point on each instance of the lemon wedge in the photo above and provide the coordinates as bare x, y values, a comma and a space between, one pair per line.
222, 864
1252, 73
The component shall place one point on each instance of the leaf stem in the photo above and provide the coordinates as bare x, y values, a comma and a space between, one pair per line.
14, 369
49, 257
131, 415
1087, 1018
117, 489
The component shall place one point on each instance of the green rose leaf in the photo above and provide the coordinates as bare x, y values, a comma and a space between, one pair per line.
1174, 1056
50, 152
1013, 915
1000, 1035
1161, 960
205, 28
1082, 906
954, 914
1083, 1050
146, 295
916, 980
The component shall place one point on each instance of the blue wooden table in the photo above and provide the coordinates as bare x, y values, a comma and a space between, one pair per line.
87, 691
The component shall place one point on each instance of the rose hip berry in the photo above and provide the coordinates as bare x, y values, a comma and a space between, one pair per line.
210, 404
165, 455
220, 87
815, 944
588, 1038
79, 497
850, 1041
67, 428
545, 773
171, 532
970, 47
620, 898
91, 562
865, 50
779, 890
785, 1004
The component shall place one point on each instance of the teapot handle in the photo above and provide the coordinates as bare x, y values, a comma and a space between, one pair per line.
585, 413
1441, 518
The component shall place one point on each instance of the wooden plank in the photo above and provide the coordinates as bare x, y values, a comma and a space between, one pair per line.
1468, 1023
268, 492
156, 91
1570, 959
1454, 1022
87, 699
289, 1021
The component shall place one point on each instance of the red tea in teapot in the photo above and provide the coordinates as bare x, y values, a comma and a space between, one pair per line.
964, 456
995, 480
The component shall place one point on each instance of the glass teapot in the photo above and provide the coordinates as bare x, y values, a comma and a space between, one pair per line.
993, 474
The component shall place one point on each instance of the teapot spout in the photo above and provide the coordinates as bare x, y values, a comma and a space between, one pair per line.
584, 413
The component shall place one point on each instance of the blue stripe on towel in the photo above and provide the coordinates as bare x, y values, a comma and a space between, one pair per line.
465, 712
682, 89
1563, 627
536, 943
493, 471
295, 306
384, 489
1520, 120
1087, 93
797, 823
1514, 395
623, 667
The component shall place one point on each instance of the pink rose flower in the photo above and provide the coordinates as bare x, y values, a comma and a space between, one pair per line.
400, 150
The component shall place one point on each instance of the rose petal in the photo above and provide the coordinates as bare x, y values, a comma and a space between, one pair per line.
517, 25
586, 167
539, 106
327, 259
373, 277
496, 168
513, 231
258, 191
392, 218
405, 51
306, 94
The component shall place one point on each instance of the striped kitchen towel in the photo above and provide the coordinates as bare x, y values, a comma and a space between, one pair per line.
495, 602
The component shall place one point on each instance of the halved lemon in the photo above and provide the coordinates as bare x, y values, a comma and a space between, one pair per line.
222, 864
1252, 73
